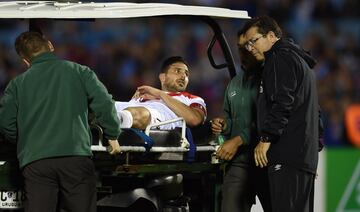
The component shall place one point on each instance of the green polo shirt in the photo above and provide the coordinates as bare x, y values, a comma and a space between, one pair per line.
240, 115
45, 109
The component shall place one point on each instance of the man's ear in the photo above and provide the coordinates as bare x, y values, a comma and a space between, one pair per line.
272, 36
27, 62
51, 46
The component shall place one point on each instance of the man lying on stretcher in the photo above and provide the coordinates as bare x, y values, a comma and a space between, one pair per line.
151, 105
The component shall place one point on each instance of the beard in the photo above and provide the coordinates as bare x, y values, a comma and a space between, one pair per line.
176, 87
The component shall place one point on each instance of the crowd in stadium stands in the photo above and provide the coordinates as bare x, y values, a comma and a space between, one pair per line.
126, 53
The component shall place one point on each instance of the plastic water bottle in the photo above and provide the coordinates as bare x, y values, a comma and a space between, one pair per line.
220, 139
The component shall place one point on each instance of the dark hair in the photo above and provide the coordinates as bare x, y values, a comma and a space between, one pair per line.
241, 31
171, 60
264, 24
29, 44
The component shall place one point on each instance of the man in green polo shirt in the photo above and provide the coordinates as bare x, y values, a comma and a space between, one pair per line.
45, 110
242, 180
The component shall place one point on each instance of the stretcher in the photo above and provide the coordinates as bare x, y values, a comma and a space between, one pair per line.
157, 161
160, 141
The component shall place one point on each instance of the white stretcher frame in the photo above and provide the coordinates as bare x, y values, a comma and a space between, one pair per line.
183, 148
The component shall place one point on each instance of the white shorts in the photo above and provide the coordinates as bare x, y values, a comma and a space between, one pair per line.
159, 112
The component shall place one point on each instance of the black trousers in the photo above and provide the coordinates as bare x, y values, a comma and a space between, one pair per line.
260, 183
291, 189
60, 184
241, 185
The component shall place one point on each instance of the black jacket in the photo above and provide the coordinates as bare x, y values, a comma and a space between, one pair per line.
288, 109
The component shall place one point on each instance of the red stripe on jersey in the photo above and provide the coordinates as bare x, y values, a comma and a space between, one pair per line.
197, 105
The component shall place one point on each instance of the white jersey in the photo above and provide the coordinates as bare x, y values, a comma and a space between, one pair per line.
160, 111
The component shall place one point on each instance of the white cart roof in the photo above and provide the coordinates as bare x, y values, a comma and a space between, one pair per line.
52, 9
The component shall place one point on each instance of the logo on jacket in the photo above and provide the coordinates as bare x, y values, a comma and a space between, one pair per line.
233, 93
277, 167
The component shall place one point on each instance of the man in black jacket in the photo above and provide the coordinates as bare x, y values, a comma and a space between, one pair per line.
288, 116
